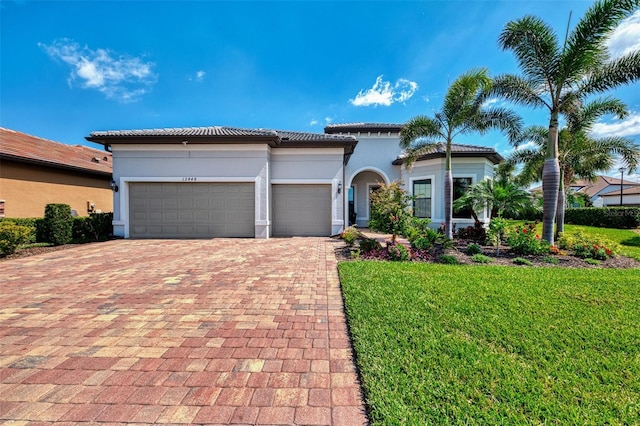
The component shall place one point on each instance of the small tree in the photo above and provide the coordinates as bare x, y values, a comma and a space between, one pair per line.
390, 211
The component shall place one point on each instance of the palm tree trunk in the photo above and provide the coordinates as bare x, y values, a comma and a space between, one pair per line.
562, 204
448, 202
448, 194
550, 180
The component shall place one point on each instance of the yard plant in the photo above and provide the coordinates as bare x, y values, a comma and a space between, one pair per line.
440, 344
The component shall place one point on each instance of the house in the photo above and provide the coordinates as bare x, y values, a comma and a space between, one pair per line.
228, 182
605, 191
35, 172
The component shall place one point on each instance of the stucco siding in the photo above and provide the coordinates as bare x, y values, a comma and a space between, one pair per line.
27, 189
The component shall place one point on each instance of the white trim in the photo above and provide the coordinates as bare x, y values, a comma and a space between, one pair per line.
433, 189
190, 147
303, 181
369, 169
123, 183
305, 151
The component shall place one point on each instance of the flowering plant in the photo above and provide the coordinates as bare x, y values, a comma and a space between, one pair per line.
524, 240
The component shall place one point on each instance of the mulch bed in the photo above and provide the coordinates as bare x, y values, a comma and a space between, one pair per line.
32, 251
505, 257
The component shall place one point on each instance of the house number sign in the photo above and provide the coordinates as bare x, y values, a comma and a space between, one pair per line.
189, 179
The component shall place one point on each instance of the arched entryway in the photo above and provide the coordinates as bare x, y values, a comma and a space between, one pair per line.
361, 185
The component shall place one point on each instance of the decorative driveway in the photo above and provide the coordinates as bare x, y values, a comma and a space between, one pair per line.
223, 331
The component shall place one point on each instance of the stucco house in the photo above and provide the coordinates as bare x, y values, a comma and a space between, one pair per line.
227, 182
35, 172
605, 191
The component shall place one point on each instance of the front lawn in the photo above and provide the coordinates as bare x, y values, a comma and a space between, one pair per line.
440, 344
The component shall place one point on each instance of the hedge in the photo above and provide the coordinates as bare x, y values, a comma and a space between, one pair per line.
604, 217
29, 222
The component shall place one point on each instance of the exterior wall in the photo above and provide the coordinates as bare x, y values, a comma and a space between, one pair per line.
227, 163
27, 189
477, 169
313, 166
628, 200
191, 163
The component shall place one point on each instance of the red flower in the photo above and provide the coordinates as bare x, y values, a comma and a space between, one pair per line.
525, 230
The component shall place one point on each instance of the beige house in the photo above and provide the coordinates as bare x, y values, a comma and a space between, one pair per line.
35, 172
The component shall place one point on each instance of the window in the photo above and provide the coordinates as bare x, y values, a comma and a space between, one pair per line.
422, 198
1, 208
460, 186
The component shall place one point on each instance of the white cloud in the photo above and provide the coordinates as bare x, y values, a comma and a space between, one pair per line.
630, 126
119, 77
313, 122
626, 38
328, 120
198, 76
385, 93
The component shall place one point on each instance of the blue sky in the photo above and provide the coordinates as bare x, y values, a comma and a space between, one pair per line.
72, 67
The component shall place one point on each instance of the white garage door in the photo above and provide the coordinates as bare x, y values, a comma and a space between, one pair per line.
301, 210
191, 210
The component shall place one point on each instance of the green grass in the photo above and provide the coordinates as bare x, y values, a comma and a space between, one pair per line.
440, 344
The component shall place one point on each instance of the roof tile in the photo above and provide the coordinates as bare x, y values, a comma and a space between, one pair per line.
23, 147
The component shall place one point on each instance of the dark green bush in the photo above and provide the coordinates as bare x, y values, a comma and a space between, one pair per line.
12, 235
95, 227
604, 217
399, 252
58, 224
369, 244
473, 249
449, 259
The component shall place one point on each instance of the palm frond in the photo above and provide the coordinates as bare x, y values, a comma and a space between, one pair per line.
536, 134
582, 119
519, 90
621, 71
535, 45
585, 47
502, 119
420, 127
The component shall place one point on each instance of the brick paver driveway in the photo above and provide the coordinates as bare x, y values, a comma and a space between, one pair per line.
220, 331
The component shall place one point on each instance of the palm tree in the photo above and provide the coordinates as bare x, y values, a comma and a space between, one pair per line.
560, 76
463, 112
579, 154
501, 196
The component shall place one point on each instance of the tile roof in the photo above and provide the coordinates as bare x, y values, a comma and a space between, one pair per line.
219, 132
32, 149
597, 186
627, 191
457, 150
363, 127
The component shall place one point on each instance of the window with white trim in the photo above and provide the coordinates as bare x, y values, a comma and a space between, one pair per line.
422, 198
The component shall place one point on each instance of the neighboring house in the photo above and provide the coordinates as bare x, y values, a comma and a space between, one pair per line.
35, 172
228, 182
605, 191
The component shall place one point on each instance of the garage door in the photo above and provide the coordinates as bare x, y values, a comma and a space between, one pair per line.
191, 210
301, 210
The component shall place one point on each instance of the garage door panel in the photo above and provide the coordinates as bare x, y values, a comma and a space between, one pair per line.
301, 210
191, 210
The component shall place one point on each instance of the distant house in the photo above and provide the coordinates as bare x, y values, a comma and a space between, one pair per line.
35, 172
605, 191
221, 181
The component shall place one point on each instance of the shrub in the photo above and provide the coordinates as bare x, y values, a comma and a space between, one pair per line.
417, 227
550, 259
29, 222
523, 240
390, 213
421, 243
604, 217
522, 261
591, 261
481, 258
58, 224
449, 259
350, 235
473, 249
369, 244
12, 235
102, 224
475, 233
398, 252
588, 246
496, 232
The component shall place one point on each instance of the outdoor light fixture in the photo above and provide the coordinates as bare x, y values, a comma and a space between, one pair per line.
114, 186
339, 187
621, 170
